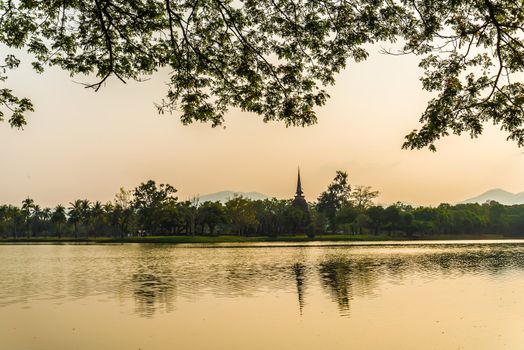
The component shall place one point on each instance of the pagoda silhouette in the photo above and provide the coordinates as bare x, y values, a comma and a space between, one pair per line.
299, 201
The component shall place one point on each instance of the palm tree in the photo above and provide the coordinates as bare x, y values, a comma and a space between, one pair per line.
36, 220
46, 218
28, 206
16, 219
75, 214
4, 209
58, 218
85, 214
97, 216
80, 213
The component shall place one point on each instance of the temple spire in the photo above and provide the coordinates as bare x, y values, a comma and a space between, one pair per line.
299, 185
300, 203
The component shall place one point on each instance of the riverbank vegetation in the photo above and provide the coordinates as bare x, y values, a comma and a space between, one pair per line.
152, 212
199, 239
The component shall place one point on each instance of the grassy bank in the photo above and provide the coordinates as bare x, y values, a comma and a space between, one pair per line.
239, 239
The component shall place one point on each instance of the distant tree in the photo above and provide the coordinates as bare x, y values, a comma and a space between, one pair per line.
425, 214
28, 206
121, 213
58, 219
496, 215
362, 196
85, 215
41, 221
425, 220
171, 219
376, 215
347, 215
15, 220
97, 217
319, 222
188, 214
296, 219
392, 218
407, 223
515, 220
241, 214
75, 214
271, 216
3, 220
35, 220
124, 198
361, 221
337, 195
443, 220
148, 202
211, 214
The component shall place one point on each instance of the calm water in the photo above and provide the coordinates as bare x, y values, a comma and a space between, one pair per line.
444, 295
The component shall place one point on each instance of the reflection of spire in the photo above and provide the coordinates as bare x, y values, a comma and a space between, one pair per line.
299, 277
299, 185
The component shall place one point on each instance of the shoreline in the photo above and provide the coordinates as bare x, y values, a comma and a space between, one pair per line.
255, 239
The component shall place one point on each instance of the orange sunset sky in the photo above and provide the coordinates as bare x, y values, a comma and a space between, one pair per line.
82, 144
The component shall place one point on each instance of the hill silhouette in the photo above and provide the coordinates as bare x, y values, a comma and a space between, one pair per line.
499, 195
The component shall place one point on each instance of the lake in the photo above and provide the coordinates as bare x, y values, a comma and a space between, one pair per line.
396, 295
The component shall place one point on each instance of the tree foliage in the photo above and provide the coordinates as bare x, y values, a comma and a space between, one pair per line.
362, 196
473, 54
341, 203
337, 195
149, 202
276, 57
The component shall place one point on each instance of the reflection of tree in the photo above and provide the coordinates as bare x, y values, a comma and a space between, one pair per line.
152, 290
153, 284
300, 276
344, 275
335, 276
345, 278
452, 261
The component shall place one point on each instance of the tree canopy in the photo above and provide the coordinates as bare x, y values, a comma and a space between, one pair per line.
152, 209
276, 57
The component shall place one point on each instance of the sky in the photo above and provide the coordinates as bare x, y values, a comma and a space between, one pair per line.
82, 144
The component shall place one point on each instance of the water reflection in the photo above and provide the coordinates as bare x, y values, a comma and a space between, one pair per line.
300, 275
345, 278
336, 278
153, 277
153, 287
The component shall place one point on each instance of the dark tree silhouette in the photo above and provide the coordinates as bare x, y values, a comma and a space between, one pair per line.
275, 57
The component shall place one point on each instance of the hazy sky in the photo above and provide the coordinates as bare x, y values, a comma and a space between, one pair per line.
82, 144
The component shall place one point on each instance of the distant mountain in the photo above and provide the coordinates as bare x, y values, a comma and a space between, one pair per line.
224, 196
501, 196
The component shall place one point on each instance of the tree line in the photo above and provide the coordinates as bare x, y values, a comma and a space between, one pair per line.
153, 209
